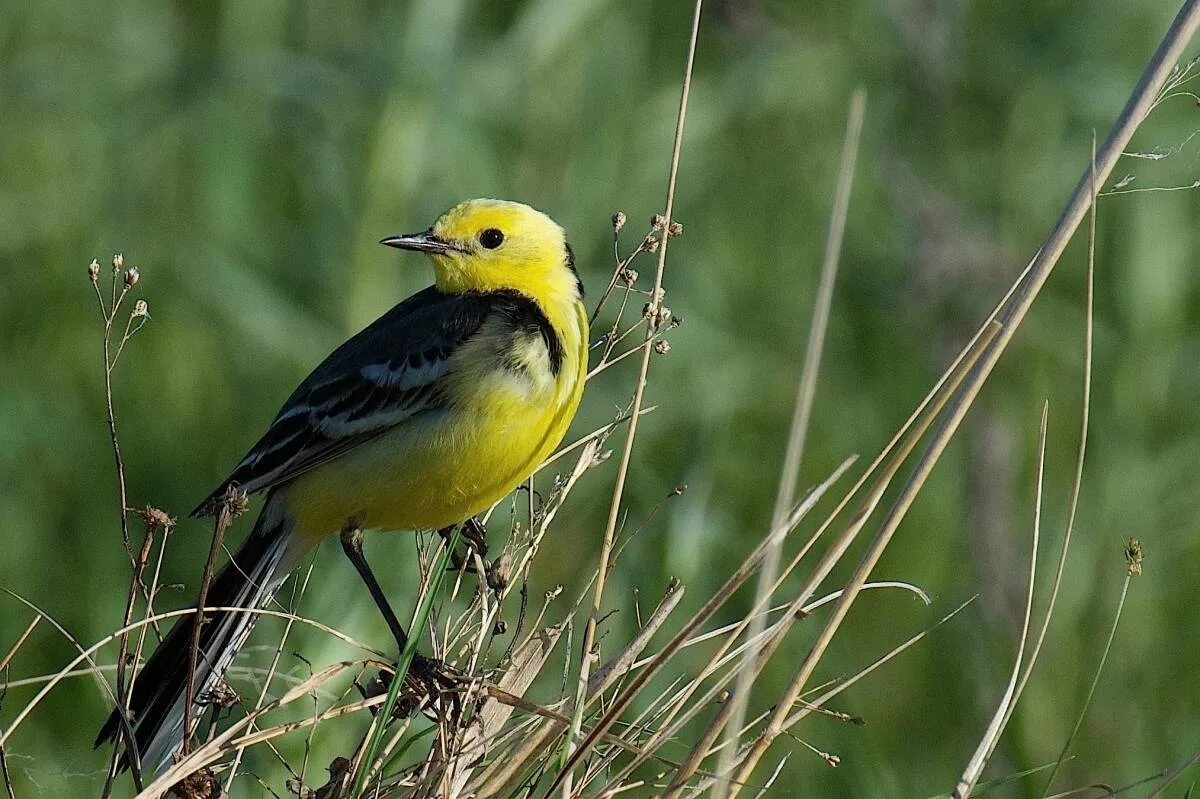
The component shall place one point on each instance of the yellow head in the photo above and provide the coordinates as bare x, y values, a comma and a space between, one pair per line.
489, 245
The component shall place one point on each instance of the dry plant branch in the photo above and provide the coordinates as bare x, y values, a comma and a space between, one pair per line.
1010, 317
829, 560
991, 739
987, 745
86, 654
623, 699
812, 705
589, 634
1085, 415
231, 505
4, 661
122, 280
499, 777
802, 413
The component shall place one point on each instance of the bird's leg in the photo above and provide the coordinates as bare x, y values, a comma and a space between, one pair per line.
352, 537
473, 533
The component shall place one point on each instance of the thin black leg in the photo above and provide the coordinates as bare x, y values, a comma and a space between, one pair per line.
352, 546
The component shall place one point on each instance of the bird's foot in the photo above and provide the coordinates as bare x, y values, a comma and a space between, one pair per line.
428, 683
474, 534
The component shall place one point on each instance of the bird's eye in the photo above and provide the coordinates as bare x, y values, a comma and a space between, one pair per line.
491, 238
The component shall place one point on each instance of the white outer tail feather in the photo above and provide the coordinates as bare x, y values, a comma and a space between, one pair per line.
262, 580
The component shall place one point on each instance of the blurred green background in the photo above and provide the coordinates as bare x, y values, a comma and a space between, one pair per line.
248, 156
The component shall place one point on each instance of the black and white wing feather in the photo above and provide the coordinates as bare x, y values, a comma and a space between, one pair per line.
386, 374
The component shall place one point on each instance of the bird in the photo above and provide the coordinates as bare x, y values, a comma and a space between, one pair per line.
428, 416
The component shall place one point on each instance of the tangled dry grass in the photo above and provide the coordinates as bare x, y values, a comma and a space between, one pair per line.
487, 729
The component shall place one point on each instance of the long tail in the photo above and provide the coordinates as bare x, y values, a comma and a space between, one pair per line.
249, 580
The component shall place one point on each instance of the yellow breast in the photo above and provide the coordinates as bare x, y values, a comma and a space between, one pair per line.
442, 467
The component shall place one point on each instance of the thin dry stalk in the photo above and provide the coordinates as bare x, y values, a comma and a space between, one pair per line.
1133, 555
270, 675
1086, 404
596, 434
86, 654
991, 737
125, 280
29, 628
832, 557
6, 777
500, 776
168, 526
228, 741
1140, 102
231, 505
4, 661
811, 706
805, 394
714, 603
589, 634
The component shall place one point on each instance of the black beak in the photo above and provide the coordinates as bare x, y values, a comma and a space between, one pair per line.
419, 242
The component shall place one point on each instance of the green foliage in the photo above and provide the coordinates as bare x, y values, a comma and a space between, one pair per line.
247, 157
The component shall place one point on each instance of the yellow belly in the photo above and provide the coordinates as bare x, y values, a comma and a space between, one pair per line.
441, 467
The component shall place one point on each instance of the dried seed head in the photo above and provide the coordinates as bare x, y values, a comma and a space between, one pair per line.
500, 573
1133, 556
553, 592
222, 695
657, 221
675, 230
650, 245
628, 276
618, 221
202, 784
140, 308
662, 346
132, 276
118, 263
658, 314
94, 270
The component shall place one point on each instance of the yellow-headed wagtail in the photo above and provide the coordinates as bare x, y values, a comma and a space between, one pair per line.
427, 417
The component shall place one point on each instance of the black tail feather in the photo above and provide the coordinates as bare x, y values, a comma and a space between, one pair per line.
249, 580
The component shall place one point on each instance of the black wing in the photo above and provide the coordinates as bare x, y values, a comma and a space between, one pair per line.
382, 376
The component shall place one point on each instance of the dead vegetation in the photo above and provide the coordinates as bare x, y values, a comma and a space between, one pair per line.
618, 710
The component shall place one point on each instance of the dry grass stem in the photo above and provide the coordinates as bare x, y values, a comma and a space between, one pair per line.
805, 394
991, 737
515, 714
231, 505
589, 633
1010, 317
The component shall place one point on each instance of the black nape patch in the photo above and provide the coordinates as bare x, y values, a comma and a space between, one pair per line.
574, 271
525, 314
